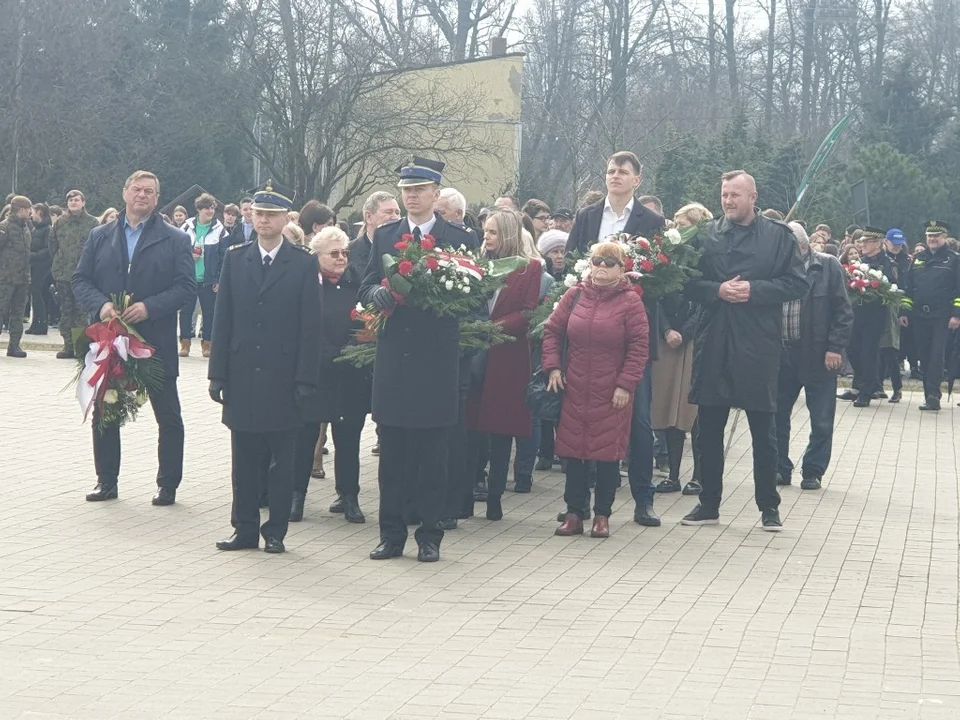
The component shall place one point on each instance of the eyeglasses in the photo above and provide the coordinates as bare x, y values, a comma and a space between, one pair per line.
605, 261
542, 218
337, 254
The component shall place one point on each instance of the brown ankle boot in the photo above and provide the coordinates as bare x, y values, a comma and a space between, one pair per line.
601, 527
572, 525
184, 348
205, 348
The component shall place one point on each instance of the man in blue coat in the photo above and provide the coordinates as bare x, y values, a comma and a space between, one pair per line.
139, 255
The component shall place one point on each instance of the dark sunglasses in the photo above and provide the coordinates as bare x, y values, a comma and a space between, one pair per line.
339, 254
606, 261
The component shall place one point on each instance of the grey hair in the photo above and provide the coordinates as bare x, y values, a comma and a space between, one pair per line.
800, 234
456, 198
328, 235
372, 203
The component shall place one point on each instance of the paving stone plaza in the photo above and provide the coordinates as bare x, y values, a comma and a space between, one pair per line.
124, 610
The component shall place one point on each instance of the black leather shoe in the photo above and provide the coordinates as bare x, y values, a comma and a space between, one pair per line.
386, 550
810, 483
429, 552
781, 480
339, 505
239, 543
523, 484
896, 397
35, 331
296, 507
273, 545
447, 524
879, 395
644, 515
692, 488
165, 496
667, 486
351, 510
858, 403
102, 492
15, 351
66, 355
494, 508
932, 403
848, 395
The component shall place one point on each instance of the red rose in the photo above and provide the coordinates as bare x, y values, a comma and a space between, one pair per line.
645, 244
646, 266
407, 237
402, 245
875, 284
405, 268
428, 243
432, 264
354, 315
628, 265
664, 259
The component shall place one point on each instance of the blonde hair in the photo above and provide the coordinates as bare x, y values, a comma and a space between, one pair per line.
325, 237
695, 213
609, 249
509, 225
102, 220
294, 229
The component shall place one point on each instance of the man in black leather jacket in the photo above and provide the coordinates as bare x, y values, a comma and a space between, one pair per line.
816, 331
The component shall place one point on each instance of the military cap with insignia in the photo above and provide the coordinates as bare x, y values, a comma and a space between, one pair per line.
872, 233
273, 197
936, 227
420, 171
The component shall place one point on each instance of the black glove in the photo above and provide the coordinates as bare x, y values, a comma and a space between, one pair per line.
383, 299
302, 393
217, 389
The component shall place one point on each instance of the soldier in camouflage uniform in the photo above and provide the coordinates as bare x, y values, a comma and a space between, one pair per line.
66, 243
15, 269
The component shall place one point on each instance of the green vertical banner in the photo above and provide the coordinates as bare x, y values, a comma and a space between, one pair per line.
823, 153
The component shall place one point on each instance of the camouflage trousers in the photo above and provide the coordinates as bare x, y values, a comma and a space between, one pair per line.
71, 314
13, 299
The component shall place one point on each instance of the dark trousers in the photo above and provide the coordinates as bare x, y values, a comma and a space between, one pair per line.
891, 367
576, 491
208, 302
251, 451
186, 319
869, 322
713, 422
640, 468
40, 296
931, 338
346, 458
166, 410
460, 468
674, 440
547, 440
527, 447
821, 400
427, 483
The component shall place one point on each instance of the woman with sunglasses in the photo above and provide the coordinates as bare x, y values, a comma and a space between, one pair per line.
343, 391
603, 324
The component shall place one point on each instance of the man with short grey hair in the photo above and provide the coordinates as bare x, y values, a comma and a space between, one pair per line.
378, 209
452, 205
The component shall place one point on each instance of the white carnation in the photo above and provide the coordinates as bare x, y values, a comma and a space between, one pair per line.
570, 280
110, 397
893, 287
448, 284
673, 235
466, 289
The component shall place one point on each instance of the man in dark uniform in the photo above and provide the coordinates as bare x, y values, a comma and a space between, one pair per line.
869, 321
416, 376
264, 362
932, 306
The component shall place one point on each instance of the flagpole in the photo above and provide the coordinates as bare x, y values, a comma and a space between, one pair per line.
825, 150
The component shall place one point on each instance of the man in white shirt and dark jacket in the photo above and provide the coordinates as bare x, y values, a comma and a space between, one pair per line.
619, 212
416, 376
264, 365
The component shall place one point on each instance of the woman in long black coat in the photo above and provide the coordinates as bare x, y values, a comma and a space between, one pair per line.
343, 391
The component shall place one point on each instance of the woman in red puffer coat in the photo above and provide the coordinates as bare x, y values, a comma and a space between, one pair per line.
605, 325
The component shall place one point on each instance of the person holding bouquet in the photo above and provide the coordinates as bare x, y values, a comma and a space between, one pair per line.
416, 377
264, 365
498, 406
343, 390
603, 324
140, 256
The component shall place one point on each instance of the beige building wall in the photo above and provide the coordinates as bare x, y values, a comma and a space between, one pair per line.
488, 165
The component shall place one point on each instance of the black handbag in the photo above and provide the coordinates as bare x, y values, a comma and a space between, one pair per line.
542, 403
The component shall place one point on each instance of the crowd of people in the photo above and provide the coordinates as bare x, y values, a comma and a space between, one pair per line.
767, 314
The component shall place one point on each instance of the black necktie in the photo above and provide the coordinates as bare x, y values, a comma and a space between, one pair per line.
266, 265
417, 234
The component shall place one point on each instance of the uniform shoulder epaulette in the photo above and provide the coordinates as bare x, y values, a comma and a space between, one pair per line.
241, 245
388, 224
301, 248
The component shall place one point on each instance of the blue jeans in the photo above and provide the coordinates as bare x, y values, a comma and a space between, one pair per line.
640, 470
821, 399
